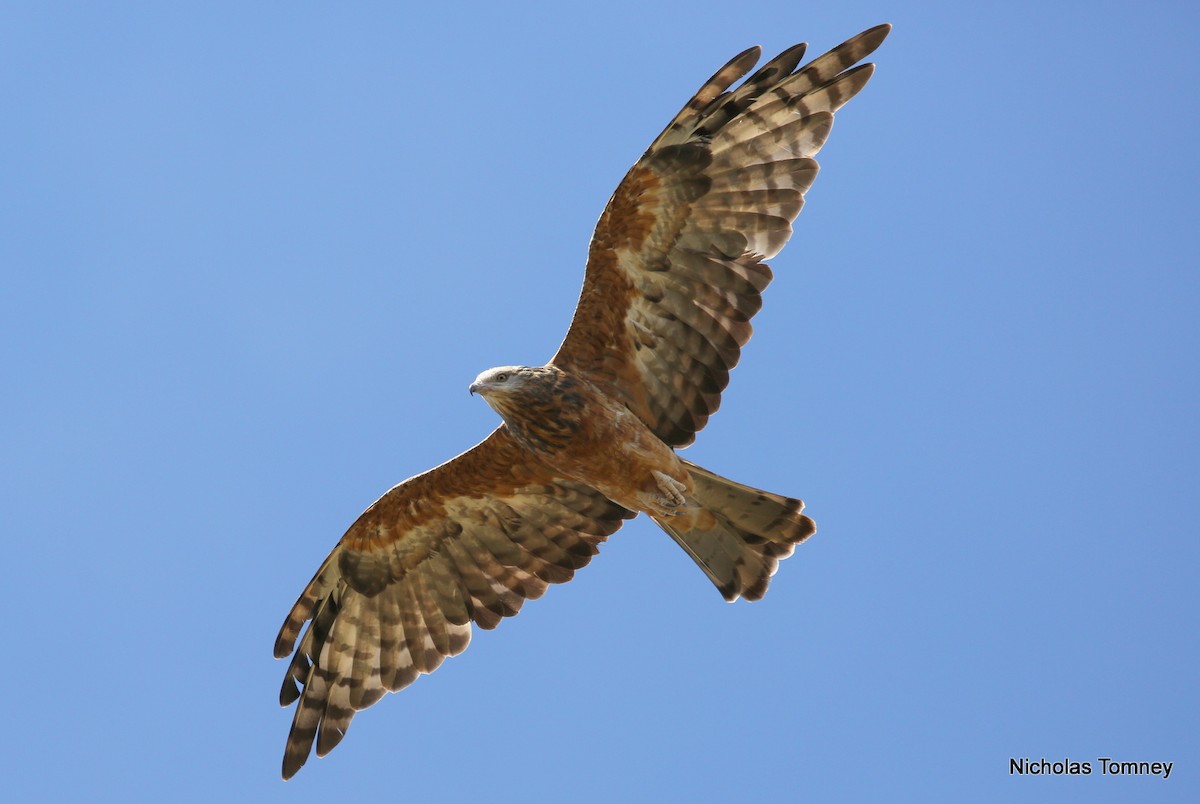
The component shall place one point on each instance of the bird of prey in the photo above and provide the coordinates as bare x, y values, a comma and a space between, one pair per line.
674, 274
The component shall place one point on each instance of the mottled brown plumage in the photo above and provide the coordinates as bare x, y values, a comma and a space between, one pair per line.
675, 273
675, 270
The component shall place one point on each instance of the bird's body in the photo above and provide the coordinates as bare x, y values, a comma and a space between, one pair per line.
675, 273
574, 428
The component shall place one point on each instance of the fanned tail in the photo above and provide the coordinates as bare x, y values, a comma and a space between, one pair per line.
737, 534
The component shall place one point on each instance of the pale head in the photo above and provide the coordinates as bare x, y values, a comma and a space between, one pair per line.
495, 378
513, 385
501, 381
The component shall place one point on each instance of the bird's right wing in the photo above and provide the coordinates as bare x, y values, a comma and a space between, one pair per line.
470, 540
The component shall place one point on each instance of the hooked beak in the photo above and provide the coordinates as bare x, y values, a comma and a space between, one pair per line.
474, 387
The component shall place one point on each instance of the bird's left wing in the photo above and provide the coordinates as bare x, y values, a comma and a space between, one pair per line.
470, 540
675, 270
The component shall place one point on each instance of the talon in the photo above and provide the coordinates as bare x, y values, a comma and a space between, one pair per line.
673, 492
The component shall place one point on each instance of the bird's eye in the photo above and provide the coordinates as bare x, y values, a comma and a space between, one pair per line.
502, 377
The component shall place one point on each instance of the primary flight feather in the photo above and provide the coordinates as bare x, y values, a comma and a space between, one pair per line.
675, 272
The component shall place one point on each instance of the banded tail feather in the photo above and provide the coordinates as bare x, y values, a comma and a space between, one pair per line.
739, 534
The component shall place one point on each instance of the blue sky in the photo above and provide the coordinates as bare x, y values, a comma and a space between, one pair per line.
253, 255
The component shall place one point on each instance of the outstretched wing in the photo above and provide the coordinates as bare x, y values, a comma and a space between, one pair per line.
675, 269
468, 541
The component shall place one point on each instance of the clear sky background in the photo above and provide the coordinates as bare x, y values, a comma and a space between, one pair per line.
253, 254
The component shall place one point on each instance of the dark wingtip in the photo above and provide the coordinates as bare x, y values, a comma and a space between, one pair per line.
292, 764
874, 37
879, 31
289, 692
747, 58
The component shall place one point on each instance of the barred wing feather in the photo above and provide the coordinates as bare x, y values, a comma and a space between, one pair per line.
469, 541
676, 266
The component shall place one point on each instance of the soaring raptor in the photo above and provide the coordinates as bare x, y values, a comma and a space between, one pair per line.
675, 271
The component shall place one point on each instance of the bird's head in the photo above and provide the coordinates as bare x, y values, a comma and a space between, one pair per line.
508, 389
499, 380
501, 383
